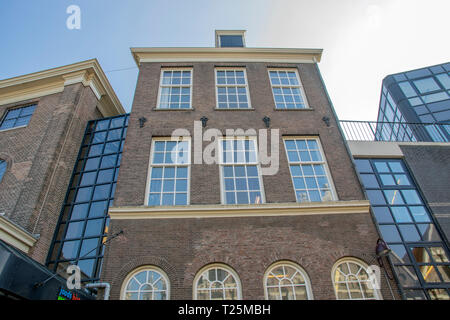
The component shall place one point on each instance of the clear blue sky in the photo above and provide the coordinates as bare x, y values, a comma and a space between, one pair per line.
363, 40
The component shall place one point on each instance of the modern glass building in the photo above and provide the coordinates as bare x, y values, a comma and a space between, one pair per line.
420, 255
83, 223
419, 96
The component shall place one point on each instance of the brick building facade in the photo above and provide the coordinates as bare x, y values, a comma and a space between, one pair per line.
207, 233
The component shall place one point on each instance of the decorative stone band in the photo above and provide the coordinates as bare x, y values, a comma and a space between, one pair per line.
224, 211
15, 236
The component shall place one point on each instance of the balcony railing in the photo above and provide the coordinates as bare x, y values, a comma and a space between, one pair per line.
395, 131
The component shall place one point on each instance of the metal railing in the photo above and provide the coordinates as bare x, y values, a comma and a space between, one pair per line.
395, 131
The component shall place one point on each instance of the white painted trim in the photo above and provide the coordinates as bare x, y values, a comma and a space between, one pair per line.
150, 166
359, 262
219, 33
15, 235
51, 81
191, 84
293, 265
227, 211
246, 86
375, 149
274, 55
299, 86
213, 266
140, 269
324, 162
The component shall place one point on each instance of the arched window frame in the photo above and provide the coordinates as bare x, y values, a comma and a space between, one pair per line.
135, 272
377, 293
3, 168
297, 267
225, 267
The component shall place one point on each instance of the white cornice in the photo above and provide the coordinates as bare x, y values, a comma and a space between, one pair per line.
51, 81
15, 235
226, 211
273, 55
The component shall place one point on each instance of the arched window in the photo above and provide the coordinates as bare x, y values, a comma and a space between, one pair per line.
146, 283
351, 281
217, 282
286, 281
3, 165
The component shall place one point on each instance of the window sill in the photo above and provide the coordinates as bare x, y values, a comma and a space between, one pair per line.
168, 109
234, 109
9, 129
303, 109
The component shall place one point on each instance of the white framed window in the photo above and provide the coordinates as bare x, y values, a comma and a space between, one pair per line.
287, 89
286, 280
169, 174
232, 89
230, 38
309, 171
146, 283
351, 281
217, 282
175, 89
240, 173
17, 117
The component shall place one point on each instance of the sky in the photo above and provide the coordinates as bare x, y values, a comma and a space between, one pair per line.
362, 40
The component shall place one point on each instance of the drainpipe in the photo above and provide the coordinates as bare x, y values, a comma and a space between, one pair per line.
101, 285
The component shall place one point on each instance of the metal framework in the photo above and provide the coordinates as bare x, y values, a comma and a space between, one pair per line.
83, 223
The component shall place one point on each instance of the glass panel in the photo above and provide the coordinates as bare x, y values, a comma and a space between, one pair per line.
426, 85
399, 254
438, 254
407, 276
382, 214
438, 294
390, 233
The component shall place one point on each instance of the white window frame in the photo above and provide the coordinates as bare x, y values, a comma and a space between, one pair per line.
223, 164
217, 266
324, 162
299, 269
161, 85
247, 90
132, 274
229, 33
360, 263
299, 86
160, 165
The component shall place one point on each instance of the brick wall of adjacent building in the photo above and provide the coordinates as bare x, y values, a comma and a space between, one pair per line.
430, 166
249, 245
40, 160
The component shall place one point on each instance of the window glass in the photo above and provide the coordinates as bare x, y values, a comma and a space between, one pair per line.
444, 79
149, 284
418, 252
169, 180
91, 192
286, 281
351, 282
175, 89
407, 89
17, 117
308, 170
217, 283
3, 166
426, 85
287, 90
241, 180
231, 89
231, 41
